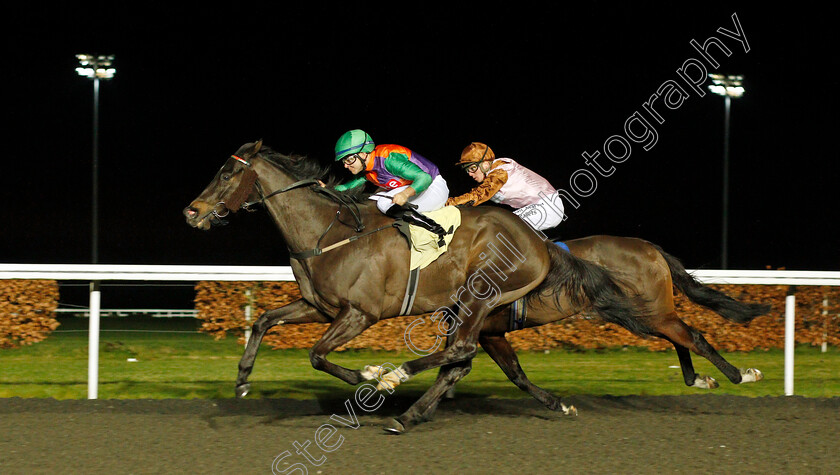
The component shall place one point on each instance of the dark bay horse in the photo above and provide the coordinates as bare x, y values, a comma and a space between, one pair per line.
494, 258
647, 271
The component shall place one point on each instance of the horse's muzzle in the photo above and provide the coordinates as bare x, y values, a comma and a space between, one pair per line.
202, 216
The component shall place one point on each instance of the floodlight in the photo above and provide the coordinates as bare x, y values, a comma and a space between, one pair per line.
96, 66
727, 85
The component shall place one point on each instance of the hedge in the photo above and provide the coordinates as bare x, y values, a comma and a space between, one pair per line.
221, 306
27, 316
27, 311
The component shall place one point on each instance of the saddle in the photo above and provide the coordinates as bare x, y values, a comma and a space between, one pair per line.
423, 244
425, 247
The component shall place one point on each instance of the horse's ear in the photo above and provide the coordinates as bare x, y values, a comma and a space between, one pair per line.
258, 146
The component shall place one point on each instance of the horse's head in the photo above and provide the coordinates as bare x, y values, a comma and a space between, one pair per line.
232, 186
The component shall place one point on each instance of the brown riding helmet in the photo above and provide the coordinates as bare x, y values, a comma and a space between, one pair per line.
474, 153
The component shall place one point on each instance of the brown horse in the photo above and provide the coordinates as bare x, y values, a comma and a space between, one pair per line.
645, 270
493, 259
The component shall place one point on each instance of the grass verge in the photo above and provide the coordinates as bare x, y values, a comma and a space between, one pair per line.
184, 364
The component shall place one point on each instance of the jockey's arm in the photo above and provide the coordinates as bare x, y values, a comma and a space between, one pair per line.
354, 183
399, 165
492, 183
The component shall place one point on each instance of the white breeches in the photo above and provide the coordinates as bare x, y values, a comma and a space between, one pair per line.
432, 198
544, 214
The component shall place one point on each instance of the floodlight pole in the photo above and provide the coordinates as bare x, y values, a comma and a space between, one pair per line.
728, 87
94, 234
94, 67
95, 298
724, 257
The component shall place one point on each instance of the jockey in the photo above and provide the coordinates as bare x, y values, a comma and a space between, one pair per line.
504, 181
407, 176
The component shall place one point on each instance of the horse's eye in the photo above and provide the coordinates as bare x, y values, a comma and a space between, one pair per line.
226, 176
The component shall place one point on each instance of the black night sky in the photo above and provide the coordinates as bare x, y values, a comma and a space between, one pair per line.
540, 84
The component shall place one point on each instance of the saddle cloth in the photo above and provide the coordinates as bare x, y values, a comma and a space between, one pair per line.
562, 245
423, 243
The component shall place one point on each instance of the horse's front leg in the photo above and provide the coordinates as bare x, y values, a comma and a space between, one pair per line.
299, 311
348, 324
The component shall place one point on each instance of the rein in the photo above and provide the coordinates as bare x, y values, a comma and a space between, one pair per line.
317, 251
342, 201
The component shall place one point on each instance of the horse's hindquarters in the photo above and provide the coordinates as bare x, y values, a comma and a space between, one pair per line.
636, 265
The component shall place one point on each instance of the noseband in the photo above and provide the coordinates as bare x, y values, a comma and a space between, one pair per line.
237, 198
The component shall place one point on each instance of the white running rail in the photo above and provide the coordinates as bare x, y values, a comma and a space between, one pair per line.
99, 272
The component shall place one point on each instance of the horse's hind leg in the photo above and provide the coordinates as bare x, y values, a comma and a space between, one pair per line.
463, 349
690, 377
503, 354
686, 338
299, 311
424, 408
450, 393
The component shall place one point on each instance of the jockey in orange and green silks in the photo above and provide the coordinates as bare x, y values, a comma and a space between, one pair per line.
394, 166
406, 177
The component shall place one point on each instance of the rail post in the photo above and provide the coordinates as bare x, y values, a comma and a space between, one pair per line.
790, 343
248, 311
93, 341
824, 346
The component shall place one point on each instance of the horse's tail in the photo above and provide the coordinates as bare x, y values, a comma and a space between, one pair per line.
586, 282
720, 303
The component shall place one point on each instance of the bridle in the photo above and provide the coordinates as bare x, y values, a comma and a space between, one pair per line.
342, 201
236, 200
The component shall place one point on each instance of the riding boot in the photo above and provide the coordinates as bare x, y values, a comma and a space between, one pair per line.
413, 217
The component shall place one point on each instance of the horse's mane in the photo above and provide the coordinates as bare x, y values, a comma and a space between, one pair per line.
302, 167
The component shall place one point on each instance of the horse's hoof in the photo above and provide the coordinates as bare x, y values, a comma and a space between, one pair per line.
390, 381
395, 427
242, 390
751, 375
705, 382
370, 372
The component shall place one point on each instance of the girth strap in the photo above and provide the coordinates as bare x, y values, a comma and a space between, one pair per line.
518, 314
410, 291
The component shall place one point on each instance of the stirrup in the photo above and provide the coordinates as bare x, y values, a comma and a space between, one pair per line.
432, 228
428, 224
416, 218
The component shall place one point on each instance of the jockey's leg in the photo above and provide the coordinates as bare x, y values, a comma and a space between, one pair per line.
413, 217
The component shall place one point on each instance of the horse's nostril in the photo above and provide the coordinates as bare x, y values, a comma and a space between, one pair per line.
190, 212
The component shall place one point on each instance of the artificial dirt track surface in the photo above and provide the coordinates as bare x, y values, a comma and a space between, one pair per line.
633, 434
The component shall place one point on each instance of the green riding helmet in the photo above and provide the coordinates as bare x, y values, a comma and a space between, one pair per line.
353, 141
